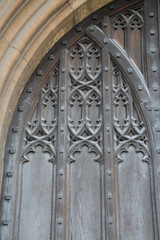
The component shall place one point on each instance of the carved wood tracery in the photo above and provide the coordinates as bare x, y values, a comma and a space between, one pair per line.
85, 98
85, 142
128, 124
128, 26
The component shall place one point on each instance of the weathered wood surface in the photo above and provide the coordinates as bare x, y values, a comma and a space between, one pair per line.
79, 157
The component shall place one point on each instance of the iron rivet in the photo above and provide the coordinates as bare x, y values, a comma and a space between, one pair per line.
12, 150
158, 151
50, 57
62, 89
39, 73
62, 108
155, 87
107, 88
59, 221
108, 150
8, 197
109, 172
9, 174
91, 28
21, 108
78, 29
130, 70
5, 222
152, 50
61, 172
61, 149
110, 220
151, 14
63, 70
118, 55
156, 108
15, 129
106, 69
60, 196
64, 42
105, 40
157, 129
62, 129
107, 107
29, 90
149, 108
107, 129
111, 6
94, 17
154, 69
105, 24
140, 87
109, 195
152, 32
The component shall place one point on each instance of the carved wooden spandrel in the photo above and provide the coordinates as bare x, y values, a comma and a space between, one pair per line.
127, 30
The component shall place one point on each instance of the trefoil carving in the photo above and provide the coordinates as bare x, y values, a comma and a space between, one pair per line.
41, 130
85, 98
129, 128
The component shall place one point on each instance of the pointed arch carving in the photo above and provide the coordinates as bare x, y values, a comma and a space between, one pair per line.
129, 69
23, 47
85, 142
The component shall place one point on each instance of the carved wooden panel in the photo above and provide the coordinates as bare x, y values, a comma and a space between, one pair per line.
79, 159
37, 167
132, 164
85, 153
127, 30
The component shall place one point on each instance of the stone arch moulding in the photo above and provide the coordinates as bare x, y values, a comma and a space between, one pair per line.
29, 29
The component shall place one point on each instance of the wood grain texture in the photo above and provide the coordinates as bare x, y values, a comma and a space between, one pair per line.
82, 158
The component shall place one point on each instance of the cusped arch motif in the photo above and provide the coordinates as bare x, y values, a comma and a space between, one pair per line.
22, 47
129, 69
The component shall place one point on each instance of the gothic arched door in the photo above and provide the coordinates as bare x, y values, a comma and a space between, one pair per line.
78, 162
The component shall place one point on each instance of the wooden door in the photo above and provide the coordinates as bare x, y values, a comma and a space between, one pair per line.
79, 163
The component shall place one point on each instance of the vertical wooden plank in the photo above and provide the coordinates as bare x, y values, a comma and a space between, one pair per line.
132, 157
136, 47
110, 219
118, 30
60, 224
36, 179
135, 205
85, 177
36, 202
85, 197
110, 181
